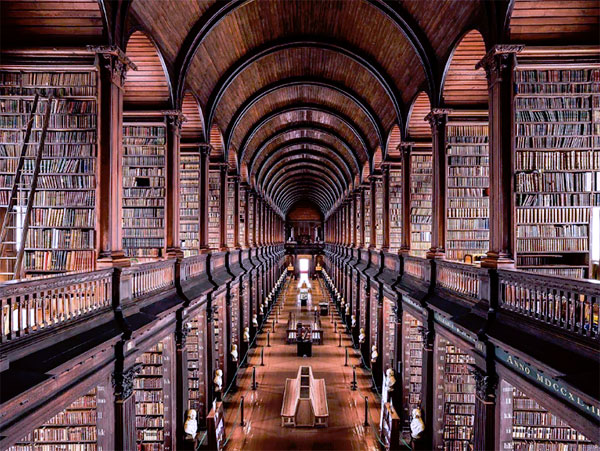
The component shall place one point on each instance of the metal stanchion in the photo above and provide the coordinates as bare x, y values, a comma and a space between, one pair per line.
242, 423
262, 354
335, 326
268, 339
366, 411
353, 384
340, 340
346, 360
254, 384
273, 325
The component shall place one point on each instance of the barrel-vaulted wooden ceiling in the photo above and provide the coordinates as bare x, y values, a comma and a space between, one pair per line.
299, 96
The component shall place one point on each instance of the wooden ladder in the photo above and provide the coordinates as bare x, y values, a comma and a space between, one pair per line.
12, 264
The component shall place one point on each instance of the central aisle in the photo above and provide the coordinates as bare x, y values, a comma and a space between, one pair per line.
263, 430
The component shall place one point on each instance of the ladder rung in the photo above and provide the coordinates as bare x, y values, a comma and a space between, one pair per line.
8, 258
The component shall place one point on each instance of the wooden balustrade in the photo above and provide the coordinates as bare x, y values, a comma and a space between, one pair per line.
192, 267
460, 278
31, 306
148, 278
416, 267
568, 304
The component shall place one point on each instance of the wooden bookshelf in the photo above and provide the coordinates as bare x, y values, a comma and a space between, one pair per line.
61, 236
395, 208
196, 347
230, 228
556, 166
467, 190
144, 145
421, 176
526, 425
189, 211
75, 428
455, 397
214, 208
152, 390
242, 218
219, 328
367, 219
357, 214
378, 213
389, 335
412, 343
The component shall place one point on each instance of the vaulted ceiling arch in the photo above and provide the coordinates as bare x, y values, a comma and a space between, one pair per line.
348, 122
310, 131
301, 149
400, 19
346, 92
301, 184
282, 176
288, 201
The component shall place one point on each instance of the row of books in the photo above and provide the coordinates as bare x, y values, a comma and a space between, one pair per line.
562, 88
52, 137
561, 106
59, 107
552, 231
420, 203
58, 260
557, 182
550, 142
553, 129
555, 75
553, 245
79, 150
573, 160
60, 238
55, 122
553, 115
35, 78
552, 215
63, 165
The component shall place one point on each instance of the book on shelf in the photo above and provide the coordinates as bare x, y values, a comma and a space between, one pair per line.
189, 202
412, 342
67, 177
74, 428
214, 209
420, 203
467, 181
395, 209
143, 189
557, 167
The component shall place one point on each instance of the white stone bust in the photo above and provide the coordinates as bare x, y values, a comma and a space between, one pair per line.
262, 311
417, 426
353, 319
218, 380
361, 335
246, 334
347, 309
190, 426
390, 380
255, 320
374, 353
234, 352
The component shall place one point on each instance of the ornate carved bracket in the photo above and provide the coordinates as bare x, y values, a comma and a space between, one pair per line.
437, 118
498, 60
485, 385
427, 336
123, 382
181, 334
175, 118
205, 148
115, 61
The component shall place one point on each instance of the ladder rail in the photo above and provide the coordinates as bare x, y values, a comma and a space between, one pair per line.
18, 172
33, 188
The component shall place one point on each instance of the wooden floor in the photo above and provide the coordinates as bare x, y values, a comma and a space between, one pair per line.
263, 430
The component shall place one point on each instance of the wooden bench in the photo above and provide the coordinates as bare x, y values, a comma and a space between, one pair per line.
304, 401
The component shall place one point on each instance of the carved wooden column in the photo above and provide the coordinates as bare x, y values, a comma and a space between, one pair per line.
348, 221
437, 119
385, 168
223, 207
498, 65
362, 216
203, 197
484, 427
122, 380
405, 151
113, 67
252, 205
173, 244
353, 225
236, 211
373, 242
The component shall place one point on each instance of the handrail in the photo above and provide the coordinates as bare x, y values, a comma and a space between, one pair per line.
30, 306
461, 278
416, 267
569, 304
148, 278
193, 266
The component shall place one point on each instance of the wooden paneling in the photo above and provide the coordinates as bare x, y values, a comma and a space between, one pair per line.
377, 158
418, 127
463, 85
393, 142
560, 21
192, 127
216, 141
146, 86
304, 211
50, 22
169, 22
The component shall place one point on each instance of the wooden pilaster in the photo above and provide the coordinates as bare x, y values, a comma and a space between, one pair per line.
373, 241
498, 65
405, 150
235, 179
386, 207
223, 207
437, 119
113, 66
173, 244
203, 196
